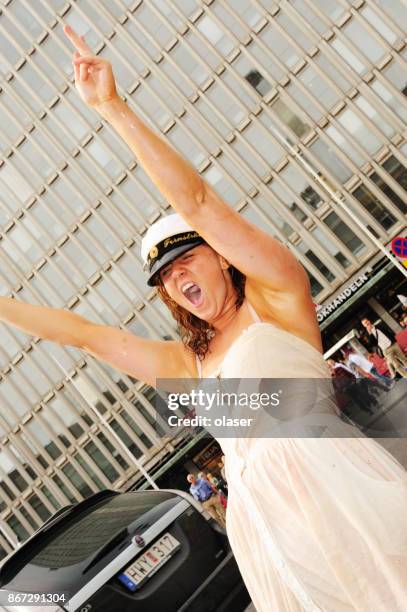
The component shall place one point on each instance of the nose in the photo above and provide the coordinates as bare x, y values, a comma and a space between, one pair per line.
178, 269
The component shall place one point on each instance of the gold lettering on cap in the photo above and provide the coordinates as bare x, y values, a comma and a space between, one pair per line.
170, 241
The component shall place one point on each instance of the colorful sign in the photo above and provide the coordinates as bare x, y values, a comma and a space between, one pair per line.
399, 247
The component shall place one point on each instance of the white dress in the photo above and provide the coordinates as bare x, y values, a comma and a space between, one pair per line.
314, 523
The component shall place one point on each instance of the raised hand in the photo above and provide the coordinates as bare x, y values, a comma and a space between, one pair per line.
94, 78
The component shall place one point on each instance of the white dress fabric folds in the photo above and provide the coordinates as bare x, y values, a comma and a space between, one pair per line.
315, 523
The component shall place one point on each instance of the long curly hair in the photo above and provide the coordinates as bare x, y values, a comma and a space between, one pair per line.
196, 333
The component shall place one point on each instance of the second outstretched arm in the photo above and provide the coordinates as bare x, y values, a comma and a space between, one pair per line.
146, 360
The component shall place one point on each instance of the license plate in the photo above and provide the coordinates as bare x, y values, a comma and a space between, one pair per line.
155, 557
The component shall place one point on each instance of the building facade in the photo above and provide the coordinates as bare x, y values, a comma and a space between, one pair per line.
294, 110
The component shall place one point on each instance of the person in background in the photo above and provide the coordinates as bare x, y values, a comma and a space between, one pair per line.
385, 344
349, 394
221, 466
364, 367
203, 492
403, 300
218, 483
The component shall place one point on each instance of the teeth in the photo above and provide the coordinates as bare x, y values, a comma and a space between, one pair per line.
186, 287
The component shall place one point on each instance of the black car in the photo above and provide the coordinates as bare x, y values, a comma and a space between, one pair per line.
138, 551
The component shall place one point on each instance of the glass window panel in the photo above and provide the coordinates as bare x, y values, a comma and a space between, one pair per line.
319, 88
316, 286
16, 182
130, 421
39, 507
30, 520
18, 480
344, 233
209, 141
397, 201
299, 184
397, 170
77, 480
181, 141
50, 497
331, 8
292, 119
113, 451
102, 461
330, 70
364, 41
331, 161
42, 438
396, 9
389, 99
361, 133
269, 150
373, 205
279, 45
223, 185
17, 528
229, 21
215, 35
315, 260
284, 196
232, 111
341, 141
305, 11
374, 116
294, 32
37, 379
130, 444
350, 58
330, 246
6, 489
62, 487
275, 218
89, 472
396, 74
378, 24
258, 82
82, 25
101, 154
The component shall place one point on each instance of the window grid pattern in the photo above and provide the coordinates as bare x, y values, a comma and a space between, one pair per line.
245, 90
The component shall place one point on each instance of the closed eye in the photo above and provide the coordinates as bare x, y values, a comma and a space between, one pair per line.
165, 272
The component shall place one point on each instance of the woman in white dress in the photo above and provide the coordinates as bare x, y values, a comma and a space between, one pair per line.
315, 524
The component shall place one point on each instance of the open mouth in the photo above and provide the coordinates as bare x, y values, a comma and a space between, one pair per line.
193, 293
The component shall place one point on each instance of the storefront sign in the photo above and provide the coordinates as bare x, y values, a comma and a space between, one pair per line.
204, 457
324, 311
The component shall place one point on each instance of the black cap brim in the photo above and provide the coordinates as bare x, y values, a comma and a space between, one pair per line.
168, 258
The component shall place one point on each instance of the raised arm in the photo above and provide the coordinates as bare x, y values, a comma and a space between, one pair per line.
261, 258
146, 360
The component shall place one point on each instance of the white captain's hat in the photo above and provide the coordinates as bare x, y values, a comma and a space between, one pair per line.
164, 241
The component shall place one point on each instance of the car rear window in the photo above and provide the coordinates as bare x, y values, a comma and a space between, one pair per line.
56, 558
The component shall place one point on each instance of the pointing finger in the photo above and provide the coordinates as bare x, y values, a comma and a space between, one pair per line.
77, 41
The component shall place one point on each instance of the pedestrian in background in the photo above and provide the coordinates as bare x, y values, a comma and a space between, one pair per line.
385, 344
203, 492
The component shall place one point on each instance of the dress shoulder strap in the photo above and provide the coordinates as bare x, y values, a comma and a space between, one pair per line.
198, 366
254, 314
